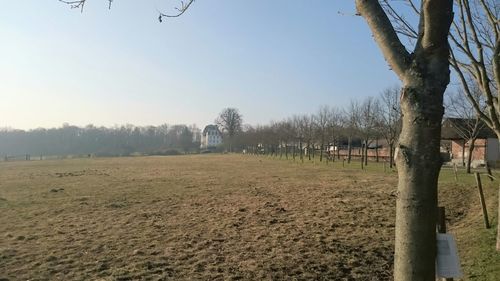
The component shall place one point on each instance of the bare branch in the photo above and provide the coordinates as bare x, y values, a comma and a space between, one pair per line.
467, 91
403, 26
393, 50
79, 4
413, 6
492, 19
437, 16
180, 10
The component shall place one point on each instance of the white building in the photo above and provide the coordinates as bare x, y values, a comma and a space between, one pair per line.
211, 137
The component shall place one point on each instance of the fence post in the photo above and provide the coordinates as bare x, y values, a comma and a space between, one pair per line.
455, 171
481, 198
488, 169
441, 225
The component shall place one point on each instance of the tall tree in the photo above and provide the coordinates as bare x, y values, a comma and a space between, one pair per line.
390, 117
424, 74
230, 121
366, 123
321, 123
300, 125
465, 122
351, 117
475, 55
335, 125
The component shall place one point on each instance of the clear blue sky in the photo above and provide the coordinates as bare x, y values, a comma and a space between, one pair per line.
270, 59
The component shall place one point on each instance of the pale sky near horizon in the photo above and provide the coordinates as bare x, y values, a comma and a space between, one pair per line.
269, 59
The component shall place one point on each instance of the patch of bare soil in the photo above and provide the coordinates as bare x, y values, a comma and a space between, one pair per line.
194, 218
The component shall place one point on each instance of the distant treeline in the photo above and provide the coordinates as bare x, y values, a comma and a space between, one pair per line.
361, 124
100, 141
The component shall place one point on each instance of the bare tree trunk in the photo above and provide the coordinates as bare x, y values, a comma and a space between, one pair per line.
321, 152
366, 152
418, 163
301, 152
362, 152
424, 74
469, 157
309, 150
349, 148
463, 153
498, 223
391, 155
498, 219
362, 158
338, 151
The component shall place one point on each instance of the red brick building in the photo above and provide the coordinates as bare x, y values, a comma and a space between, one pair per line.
486, 146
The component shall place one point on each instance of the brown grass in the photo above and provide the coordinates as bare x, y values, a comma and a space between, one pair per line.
206, 217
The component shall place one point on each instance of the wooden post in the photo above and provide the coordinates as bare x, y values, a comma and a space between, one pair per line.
488, 169
385, 162
362, 162
343, 163
441, 227
481, 198
455, 171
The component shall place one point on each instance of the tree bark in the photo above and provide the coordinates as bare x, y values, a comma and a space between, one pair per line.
362, 156
321, 152
309, 150
338, 150
301, 152
349, 148
469, 157
424, 75
366, 153
498, 218
418, 163
391, 155
498, 222
463, 153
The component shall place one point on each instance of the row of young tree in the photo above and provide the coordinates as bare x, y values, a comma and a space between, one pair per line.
360, 124
103, 141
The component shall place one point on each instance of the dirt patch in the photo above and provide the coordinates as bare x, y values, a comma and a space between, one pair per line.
86, 172
198, 217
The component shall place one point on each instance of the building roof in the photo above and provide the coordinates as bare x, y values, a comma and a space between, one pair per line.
450, 129
211, 128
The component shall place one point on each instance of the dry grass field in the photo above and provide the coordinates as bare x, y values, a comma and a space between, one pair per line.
216, 217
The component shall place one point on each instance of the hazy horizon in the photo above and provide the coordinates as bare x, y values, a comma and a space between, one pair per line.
121, 66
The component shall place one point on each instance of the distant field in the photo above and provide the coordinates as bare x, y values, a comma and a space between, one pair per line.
216, 217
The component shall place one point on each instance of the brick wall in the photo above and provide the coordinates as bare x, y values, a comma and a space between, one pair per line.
479, 152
